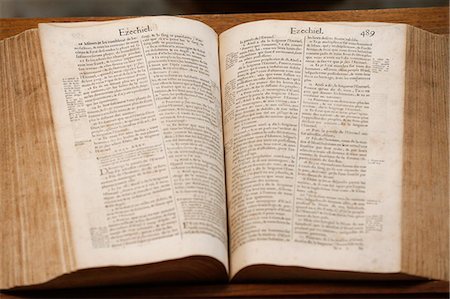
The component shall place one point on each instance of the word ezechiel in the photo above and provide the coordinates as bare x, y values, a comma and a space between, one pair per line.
295, 30
136, 30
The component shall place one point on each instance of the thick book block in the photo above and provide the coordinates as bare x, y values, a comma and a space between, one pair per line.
120, 139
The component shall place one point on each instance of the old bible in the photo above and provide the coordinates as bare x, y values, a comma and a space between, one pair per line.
152, 149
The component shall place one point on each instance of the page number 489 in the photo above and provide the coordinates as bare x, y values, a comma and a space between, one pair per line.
368, 33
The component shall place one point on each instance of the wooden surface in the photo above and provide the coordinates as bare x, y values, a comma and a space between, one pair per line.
431, 19
428, 289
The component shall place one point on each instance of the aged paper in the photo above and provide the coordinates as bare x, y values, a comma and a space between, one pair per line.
313, 139
138, 120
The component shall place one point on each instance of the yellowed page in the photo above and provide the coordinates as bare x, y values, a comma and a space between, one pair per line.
425, 221
313, 122
35, 235
137, 113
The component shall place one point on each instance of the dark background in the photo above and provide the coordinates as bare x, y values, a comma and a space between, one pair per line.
64, 8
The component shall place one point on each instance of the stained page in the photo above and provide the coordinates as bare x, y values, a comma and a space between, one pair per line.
313, 128
136, 105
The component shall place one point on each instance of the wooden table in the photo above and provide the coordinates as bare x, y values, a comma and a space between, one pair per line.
432, 19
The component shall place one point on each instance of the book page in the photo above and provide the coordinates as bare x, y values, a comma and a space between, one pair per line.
425, 206
35, 238
137, 112
313, 122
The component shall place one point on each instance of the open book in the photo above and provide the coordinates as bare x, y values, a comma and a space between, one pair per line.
152, 150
